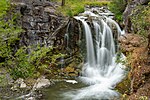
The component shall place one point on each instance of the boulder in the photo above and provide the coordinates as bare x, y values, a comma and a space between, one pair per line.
41, 82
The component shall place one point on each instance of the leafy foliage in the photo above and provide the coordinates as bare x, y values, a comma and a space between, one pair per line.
140, 20
9, 31
117, 7
4, 5
26, 65
20, 64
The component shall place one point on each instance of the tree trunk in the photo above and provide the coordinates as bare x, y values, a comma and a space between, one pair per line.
63, 3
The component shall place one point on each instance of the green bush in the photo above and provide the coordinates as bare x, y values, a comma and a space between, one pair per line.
4, 5
140, 20
44, 56
20, 64
9, 31
117, 7
26, 65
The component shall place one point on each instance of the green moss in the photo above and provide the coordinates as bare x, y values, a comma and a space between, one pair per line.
124, 86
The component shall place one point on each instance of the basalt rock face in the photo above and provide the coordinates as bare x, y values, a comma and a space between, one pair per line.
45, 26
41, 22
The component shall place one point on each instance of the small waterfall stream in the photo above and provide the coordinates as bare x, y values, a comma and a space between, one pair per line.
100, 72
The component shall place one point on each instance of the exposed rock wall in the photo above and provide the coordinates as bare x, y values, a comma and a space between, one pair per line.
40, 20
135, 48
128, 13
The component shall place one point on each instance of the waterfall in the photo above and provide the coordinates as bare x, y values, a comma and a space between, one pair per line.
100, 72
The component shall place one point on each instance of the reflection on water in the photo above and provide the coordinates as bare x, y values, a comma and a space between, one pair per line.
56, 92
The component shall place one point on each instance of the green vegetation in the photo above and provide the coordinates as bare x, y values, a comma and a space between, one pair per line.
140, 20
9, 31
20, 64
43, 57
26, 65
4, 5
117, 7
74, 7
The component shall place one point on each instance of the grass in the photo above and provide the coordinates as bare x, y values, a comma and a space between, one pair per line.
74, 7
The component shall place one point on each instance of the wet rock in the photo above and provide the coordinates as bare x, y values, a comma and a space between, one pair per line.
41, 82
23, 85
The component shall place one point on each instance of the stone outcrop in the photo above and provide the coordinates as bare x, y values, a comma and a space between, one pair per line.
137, 83
40, 20
45, 26
41, 82
131, 5
130, 42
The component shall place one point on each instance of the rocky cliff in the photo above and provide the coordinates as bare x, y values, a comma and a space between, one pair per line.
135, 45
40, 20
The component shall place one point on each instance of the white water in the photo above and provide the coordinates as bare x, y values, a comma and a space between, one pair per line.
100, 72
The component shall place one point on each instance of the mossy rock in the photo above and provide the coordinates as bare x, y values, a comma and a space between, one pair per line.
124, 86
69, 69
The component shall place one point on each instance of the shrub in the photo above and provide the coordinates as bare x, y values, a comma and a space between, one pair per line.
140, 20
9, 31
118, 7
20, 64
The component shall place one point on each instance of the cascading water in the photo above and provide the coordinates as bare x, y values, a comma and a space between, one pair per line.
100, 71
